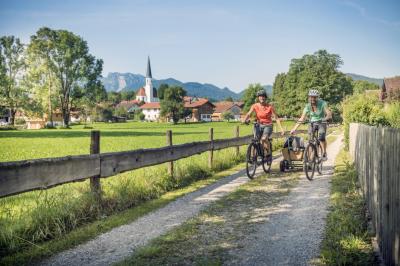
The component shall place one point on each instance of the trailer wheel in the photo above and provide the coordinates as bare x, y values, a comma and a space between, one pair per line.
282, 166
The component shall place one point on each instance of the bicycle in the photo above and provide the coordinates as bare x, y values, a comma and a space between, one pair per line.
313, 153
255, 153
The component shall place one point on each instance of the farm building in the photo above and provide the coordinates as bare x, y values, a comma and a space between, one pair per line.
201, 108
222, 107
390, 89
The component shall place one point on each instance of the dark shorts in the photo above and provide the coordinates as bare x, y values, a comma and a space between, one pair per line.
266, 130
321, 127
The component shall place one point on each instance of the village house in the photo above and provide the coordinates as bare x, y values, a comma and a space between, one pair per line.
390, 89
201, 108
222, 107
131, 106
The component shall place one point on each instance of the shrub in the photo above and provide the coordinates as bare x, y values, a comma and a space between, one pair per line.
8, 128
393, 114
20, 121
365, 109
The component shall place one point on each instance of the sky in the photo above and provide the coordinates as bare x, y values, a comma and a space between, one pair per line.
225, 43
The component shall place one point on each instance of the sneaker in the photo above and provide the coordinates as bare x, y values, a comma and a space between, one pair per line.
324, 157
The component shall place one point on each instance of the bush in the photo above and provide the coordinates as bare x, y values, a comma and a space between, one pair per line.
8, 128
366, 109
337, 113
393, 114
49, 126
20, 121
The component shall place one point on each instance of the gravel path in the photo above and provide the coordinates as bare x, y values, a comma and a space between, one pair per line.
290, 236
122, 241
294, 229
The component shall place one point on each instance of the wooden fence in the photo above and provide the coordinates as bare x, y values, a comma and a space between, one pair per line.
376, 152
22, 176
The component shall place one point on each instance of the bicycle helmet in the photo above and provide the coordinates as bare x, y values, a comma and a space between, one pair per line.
261, 93
313, 92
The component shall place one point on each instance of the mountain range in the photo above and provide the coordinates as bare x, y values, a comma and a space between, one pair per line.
127, 81
379, 82
116, 81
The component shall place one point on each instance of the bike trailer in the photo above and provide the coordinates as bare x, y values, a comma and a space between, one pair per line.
292, 152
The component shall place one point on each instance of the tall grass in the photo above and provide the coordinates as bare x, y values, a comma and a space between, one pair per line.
346, 241
37, 216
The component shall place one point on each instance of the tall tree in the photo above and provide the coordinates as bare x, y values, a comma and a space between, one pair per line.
172, 103
319, 70
68, 59
40, 77
250, 95
114, 97
161, 90
12, 65
128, 95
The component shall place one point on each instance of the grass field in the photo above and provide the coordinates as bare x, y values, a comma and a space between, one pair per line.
39, 216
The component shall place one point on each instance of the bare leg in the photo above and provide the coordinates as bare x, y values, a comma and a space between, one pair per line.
265, 144
323, 144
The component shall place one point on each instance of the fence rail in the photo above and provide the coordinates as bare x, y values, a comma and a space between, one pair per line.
376, 153
22, 176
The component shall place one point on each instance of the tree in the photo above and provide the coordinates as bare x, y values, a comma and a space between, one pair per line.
172, 103
114, 97
128, 95
229, 99
360, 86
86, 100
161, 90
250, 95
69, 61
12, 65
320, 71
121, 111
227, 115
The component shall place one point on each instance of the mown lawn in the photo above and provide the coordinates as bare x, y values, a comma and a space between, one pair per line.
44, 143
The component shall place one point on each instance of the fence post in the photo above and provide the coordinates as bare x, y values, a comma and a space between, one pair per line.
237, 135
169, 143
95, 149
211, 153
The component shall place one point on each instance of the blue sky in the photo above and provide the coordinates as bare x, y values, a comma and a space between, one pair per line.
226, 43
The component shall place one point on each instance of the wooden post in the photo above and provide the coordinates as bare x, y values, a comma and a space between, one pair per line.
95, 149
237, 135
211, 153
169, 143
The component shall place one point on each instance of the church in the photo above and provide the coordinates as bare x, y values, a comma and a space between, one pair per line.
148, 94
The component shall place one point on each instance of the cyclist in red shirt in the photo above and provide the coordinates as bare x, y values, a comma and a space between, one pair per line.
264, 113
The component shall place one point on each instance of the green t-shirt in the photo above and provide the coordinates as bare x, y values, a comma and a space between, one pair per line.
319, 114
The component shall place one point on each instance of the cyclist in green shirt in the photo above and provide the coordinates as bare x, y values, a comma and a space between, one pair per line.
318, 112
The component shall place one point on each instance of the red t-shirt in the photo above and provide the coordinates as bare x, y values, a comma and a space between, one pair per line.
263, 113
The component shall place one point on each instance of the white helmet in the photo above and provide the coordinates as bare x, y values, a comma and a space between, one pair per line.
313, 92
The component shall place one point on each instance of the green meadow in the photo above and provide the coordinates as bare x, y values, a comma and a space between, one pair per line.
35, 217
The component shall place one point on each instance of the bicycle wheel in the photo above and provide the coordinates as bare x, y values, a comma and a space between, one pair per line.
267, 161
309, 161
251, 160
319, 158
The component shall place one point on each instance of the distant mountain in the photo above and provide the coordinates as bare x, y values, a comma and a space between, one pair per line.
127, 81
379, 82
267, 88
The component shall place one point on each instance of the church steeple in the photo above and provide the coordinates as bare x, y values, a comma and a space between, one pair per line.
150, 91
148, 73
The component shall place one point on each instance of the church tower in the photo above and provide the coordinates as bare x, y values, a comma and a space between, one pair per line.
149, 85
